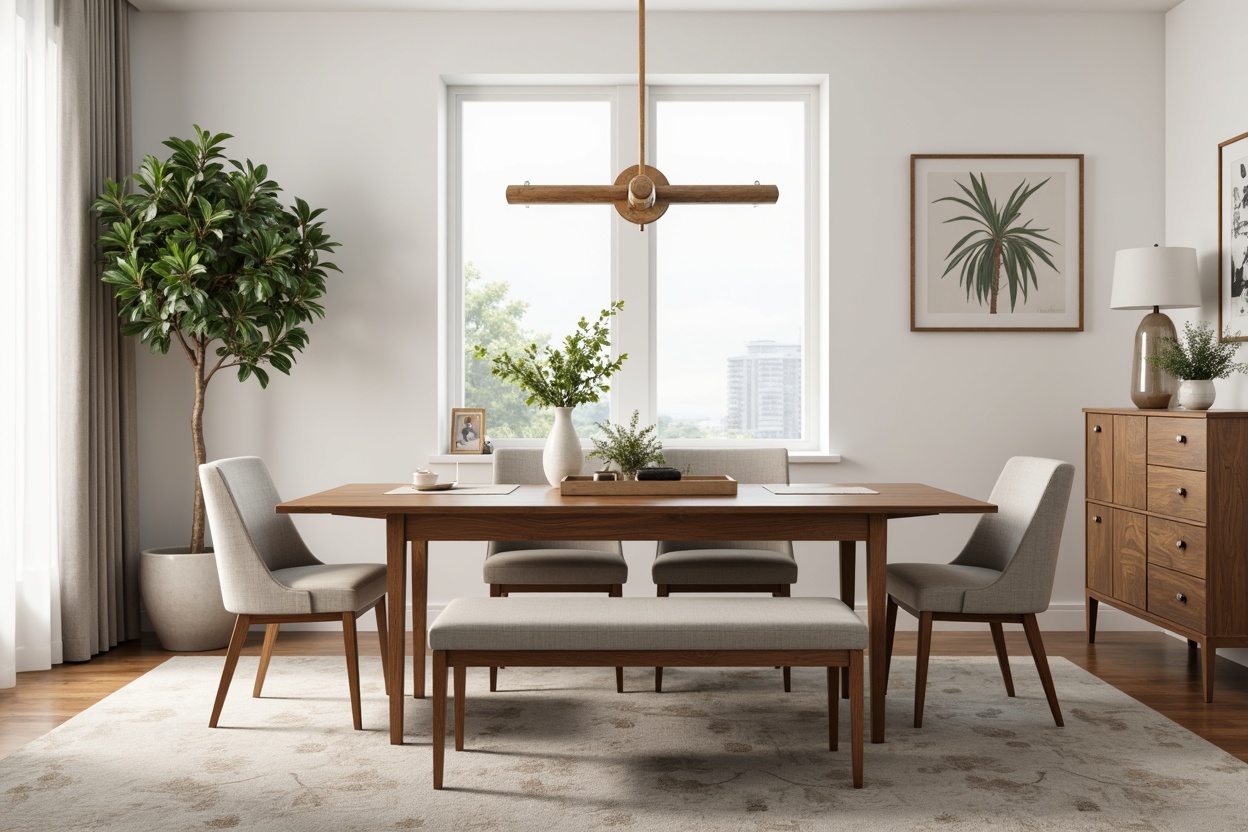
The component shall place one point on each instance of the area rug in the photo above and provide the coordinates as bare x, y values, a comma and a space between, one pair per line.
559, 749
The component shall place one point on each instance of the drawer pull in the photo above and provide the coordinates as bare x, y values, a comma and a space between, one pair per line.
1181, 439
1182, 492
1180, 597
1096, 518
1182, 544
1096, 428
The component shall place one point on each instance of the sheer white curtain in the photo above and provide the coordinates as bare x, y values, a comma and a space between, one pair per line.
30, 616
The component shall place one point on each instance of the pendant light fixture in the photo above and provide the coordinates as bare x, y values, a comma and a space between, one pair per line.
641, 193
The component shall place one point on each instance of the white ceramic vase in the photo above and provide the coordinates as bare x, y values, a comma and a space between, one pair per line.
1197, 394
562, 456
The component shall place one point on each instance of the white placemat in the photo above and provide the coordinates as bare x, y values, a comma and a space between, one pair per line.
817, 488
459, 489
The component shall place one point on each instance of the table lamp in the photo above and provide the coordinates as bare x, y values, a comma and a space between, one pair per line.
1156, 278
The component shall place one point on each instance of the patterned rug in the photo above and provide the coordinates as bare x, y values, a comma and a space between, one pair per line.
558, 749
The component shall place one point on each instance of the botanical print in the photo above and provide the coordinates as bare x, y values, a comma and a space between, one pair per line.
1000, 239
996, 243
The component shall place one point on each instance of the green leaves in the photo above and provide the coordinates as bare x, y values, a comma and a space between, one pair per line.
1203, 357
204, 254
628, 447
576, 374
997, 244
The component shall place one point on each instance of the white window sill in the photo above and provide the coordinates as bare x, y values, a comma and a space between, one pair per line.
487, 459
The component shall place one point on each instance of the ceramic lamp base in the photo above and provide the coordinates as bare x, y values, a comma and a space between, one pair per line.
1151, 387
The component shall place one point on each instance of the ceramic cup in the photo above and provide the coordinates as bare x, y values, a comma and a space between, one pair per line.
424, 478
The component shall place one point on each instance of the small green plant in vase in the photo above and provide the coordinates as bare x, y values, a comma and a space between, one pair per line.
628, 448
562, 378
1197, 359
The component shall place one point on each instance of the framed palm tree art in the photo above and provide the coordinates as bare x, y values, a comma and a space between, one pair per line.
996, 243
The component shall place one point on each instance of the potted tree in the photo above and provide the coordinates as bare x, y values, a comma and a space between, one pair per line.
1196, 361
205, 260
562, 379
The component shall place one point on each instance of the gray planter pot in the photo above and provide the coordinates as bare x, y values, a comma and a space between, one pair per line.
182, 596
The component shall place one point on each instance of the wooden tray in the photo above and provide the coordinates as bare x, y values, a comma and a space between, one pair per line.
689, 486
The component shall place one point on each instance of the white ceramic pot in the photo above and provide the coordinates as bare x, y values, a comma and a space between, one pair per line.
1197, 394
562, 456
182, 596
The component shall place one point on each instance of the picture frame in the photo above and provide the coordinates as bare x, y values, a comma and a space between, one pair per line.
467, 430
965, 279
1233, 237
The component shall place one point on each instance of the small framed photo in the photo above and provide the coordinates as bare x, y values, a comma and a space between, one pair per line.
996, 243
467, 430
1233, 236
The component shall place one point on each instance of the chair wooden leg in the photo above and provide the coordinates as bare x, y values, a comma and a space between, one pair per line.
266, 653
617, 591
1003, 658
848, 553
920, 679
788, 679
241, 624
352, 646
1036, 643
493, 679
890, 633
439, 715
834, 709
383, 635
658, 680
856, 721
784, 591
461, 676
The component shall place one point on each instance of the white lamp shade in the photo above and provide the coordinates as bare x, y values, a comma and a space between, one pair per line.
1161, 276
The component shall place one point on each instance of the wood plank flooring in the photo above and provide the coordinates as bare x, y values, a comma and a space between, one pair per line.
1159, 671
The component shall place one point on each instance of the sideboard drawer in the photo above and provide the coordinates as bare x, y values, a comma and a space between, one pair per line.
1177, 492
1177, 443
1176, 597
1177, 546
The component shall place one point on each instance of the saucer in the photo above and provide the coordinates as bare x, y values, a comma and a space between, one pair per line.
437, 486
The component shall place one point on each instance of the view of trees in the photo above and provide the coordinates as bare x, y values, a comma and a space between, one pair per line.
496, 322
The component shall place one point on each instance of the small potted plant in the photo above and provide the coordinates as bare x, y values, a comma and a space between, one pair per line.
628, 448
563, 378
1198, 362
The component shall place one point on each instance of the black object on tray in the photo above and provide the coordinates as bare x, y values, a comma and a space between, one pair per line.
658, 474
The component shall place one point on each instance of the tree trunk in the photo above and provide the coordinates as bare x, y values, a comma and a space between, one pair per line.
201, 456
996, 277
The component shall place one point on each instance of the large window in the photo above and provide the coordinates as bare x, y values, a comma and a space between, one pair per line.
722, 318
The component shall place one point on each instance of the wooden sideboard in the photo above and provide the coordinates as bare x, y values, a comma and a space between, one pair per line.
1167, 523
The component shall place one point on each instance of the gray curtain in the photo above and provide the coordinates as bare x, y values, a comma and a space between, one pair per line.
97, 438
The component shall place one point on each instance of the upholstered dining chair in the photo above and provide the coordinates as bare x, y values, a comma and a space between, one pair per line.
727, 565
513, 566
268, 575
1003, 575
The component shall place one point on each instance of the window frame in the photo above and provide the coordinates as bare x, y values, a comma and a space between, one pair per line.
635, 331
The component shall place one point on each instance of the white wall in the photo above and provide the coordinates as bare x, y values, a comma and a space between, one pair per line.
1206, 104
345, 111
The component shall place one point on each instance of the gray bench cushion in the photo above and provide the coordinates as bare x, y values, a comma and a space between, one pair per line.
647, 624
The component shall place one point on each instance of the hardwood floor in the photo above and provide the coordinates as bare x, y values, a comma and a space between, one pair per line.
1154, 668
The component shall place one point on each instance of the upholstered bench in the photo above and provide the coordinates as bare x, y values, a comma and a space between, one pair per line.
646, 632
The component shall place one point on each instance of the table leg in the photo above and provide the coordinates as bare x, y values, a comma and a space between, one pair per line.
877, 594
849, 551
396, 606
420, 606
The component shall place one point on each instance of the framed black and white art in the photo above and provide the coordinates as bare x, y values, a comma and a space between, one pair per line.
1233, 237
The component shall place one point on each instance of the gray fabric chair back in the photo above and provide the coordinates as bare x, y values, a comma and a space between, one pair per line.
524, 466
250, 539
745, 465
1022, 539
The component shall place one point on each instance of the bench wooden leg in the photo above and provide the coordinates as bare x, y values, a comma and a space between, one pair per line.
658, 680
439, 715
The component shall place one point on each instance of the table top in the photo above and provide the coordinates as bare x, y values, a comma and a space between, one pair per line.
893, 499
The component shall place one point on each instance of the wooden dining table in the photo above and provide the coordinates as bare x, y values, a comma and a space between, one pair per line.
532, 512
